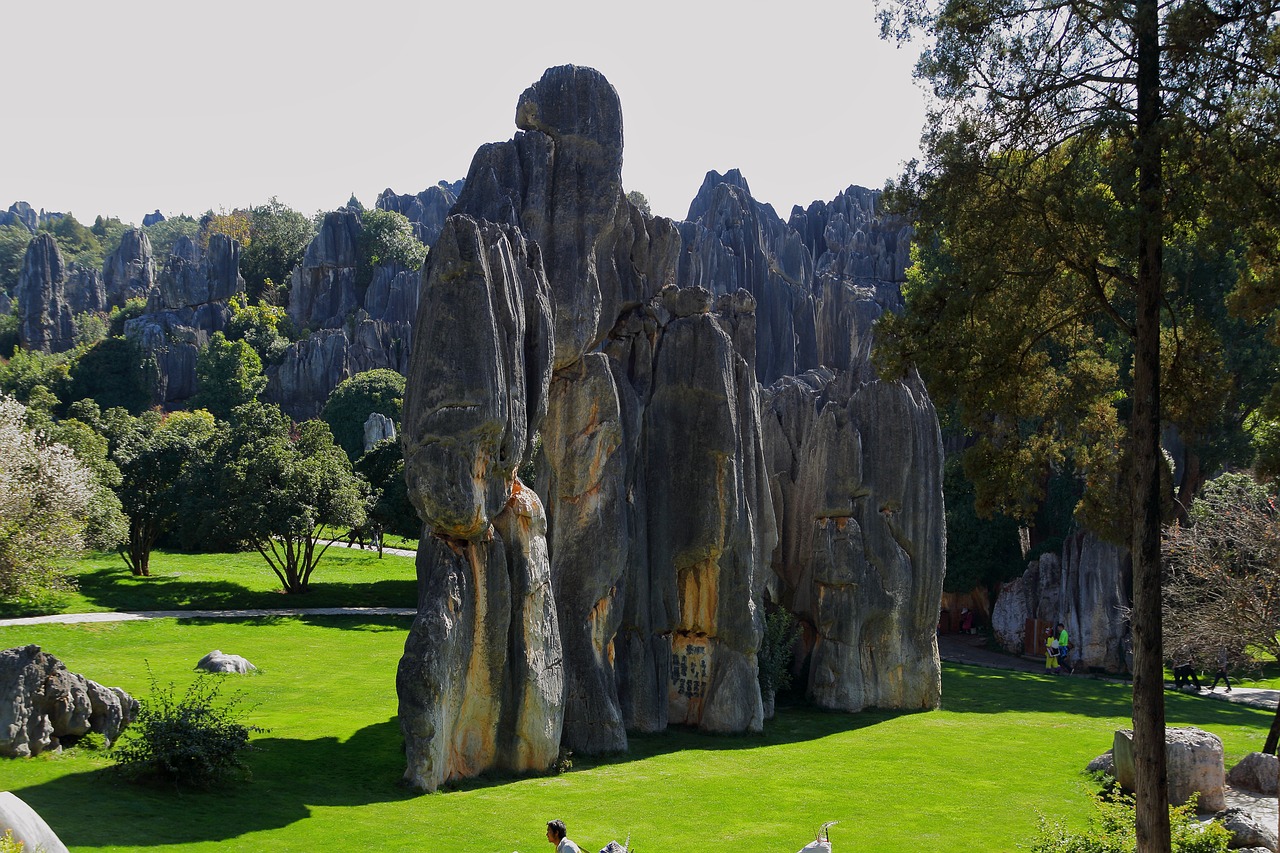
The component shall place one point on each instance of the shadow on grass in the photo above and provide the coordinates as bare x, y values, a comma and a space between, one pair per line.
977, 690
290, 776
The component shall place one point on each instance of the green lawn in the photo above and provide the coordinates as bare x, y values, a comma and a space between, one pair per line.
344, 577
971, 777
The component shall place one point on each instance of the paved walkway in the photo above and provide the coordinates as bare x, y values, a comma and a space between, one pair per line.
972, 649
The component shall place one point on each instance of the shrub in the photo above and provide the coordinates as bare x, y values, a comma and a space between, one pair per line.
1112, 830
780, 629
194, 741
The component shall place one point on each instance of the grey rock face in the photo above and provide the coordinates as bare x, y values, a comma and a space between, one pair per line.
130, 271
470, 699
377, 427
85, 291
660, 481
1247, 831
20, 213
29, 829
1194, 759
43, 705
218, 661
858, 470
188, 304
152, 218
323, 291
1085, 589
1257, 772
315, 365
46, 322
426, 211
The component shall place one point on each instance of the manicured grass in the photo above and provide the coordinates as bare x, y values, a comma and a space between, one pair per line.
970, 777
345, 577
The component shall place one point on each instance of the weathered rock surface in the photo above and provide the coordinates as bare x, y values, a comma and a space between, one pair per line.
425, 211
377, 427
315, 365
188, 304
20, 213
1247, 831
323, 291
481, 681
152, 218
29, 829
220, 662
1085, 589
42, 705
660, 485
130, 271
1257, 772
1194, 760
46, 322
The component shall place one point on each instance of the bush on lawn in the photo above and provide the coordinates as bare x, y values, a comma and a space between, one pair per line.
193, 741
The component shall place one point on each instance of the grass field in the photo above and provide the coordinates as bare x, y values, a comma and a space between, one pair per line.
344, 577
971, 777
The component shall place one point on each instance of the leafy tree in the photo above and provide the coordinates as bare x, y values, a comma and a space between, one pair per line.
122, 314
45, 495
357, 397
154, 454
228, 374
112, 373
27, 370
641, 201
386, 237
106, 524
78, 244
390, 511
278, 238
10, 338
266, 328
165, 234
237, 225
109, 231
13, 250
980, 552
277, 486
1066, 143
1222, 578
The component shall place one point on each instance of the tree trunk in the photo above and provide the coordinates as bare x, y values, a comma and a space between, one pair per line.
1273, 736
1151, 782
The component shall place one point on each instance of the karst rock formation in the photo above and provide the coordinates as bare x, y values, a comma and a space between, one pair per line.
628, 438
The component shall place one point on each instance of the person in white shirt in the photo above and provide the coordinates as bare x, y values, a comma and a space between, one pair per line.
558, 835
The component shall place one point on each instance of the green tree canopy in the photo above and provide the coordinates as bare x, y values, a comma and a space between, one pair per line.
351, 403
386, 237
392, 511
267, 328
13, 249
164, 235
228, 374
278, 238
112, 373
275, 486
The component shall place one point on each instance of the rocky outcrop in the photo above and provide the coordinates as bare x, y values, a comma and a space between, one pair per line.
43, 706
660, 482
315, 365
28, 828
481, 680
377, 427
1258, 772
187, 305
152, 218
46, 322
857, 473
220, 662
1087, 589
1194, 761
130, 271
323, 291
20, 213
425, 211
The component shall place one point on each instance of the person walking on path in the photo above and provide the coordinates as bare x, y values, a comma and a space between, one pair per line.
558, 835
1222, 671
1064, 649
1050, 652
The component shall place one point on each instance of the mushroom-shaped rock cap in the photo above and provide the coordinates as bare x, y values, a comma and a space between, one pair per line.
572, 100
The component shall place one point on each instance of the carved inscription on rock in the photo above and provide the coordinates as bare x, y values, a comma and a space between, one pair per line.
688, 678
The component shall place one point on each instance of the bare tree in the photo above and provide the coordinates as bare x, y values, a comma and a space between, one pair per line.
1222, 579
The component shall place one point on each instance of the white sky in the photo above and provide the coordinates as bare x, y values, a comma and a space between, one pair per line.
122, 108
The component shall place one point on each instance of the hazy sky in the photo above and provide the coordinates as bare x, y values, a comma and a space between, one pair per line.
123, 108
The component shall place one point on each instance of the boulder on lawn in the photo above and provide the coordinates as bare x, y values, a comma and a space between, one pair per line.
216, 661
1194, 759
1256, 772
1104, 764
29, 829
1247, 830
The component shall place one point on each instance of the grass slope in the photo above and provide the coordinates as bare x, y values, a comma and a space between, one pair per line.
971, 777
344, 578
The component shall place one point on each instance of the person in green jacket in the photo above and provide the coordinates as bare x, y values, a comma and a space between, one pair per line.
1064, 646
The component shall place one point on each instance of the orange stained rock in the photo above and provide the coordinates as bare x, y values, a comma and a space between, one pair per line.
698, 587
